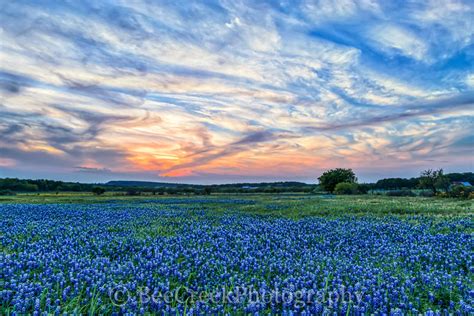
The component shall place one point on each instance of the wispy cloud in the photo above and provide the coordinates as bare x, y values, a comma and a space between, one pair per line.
393, 39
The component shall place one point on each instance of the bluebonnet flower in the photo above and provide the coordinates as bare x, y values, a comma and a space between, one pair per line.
66, 259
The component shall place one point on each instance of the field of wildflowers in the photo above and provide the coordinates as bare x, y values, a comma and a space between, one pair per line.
202, 256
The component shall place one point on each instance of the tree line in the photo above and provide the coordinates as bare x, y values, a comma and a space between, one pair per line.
14, 185
340, 181
436, 182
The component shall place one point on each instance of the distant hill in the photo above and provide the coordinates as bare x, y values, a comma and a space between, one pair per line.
43, 185
151, 184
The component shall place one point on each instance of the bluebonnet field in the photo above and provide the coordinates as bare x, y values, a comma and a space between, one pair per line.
199, 256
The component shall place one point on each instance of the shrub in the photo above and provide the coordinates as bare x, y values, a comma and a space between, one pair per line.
364, 188
460, 191
346, 188
400, 193
97, 190
133, 192
442, 194
426, 193
7, 192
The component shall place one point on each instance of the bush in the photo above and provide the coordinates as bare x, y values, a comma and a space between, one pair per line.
346, 188
426, 193
7, 192
460, 191
97, 190
133, 192
400, 193
442, 194
364, 188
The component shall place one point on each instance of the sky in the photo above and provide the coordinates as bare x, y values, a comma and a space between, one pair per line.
234, 91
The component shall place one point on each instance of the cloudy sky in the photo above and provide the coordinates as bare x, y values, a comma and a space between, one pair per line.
224, 91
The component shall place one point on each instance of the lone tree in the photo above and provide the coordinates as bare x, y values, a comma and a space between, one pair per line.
434, 180
98, 190
329, 179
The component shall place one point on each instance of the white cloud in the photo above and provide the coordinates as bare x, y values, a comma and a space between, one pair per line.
234, 22
395, 39
320, 11
470, 80
454, 16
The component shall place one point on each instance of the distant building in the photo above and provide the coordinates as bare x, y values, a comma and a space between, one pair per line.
464, 183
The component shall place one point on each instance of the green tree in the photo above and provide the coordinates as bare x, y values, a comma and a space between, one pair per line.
98, 190
432, 180
330, 178
396, 183
364, 188
443, 183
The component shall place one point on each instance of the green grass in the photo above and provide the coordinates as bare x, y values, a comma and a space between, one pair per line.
286, 205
